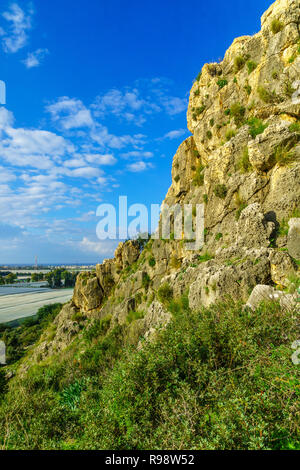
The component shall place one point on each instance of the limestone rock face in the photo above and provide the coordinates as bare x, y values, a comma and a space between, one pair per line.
294, 238
262, 149
88, 293
127, 253
264, 293
253, 229
231, 280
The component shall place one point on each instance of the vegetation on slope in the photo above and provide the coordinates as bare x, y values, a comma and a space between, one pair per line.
221, 378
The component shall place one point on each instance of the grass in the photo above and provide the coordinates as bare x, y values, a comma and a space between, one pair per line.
205, 257
256, 126
133, 316
230, 134
238, 112
241, 205
221, 191
284, 156
216, 378
198, 179
251, 66
276, 26
244, 162
165, 293
267, 96
295, 127
239, 63
198, 77
222, 83
152, 262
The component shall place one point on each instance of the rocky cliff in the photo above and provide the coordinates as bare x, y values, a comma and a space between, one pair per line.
243, 162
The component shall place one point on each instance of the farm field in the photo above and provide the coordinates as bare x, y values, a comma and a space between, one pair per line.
19, 302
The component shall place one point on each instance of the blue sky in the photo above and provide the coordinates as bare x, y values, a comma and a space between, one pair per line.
96, 103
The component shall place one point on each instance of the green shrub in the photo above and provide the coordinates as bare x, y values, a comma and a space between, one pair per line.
239, 63
295, 127
205, 257
165, 293
248, 89
97, 329
251, 65
256, 126
70, 396
209, 135
133, 316
222, 83
237, 112
146, 281
175, 262
198, 77
276, 26
197, 92
205, 198
216, 378
177, 178
284, 156
244, 162
152, 261
230, 134
267, 96
221, 191
198, 179
218, 236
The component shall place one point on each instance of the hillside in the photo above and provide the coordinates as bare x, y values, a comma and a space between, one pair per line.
156, 348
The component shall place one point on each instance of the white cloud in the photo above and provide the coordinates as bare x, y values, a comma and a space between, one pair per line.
106, 159
174, 105
70, 113
86, 172
146, 98
6, 175
138, 167
15, 35
6, 118
105, 248
174, 134
34, 59
137, 154
33, 148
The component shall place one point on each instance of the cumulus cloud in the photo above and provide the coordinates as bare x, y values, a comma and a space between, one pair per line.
105, 160
174, 134
147, 97
34, 59
137, 154
6, 118
105, 248
138, 167
33, 148
70, 113
14, 35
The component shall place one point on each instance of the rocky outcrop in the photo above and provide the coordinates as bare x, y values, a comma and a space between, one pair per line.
242, 162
